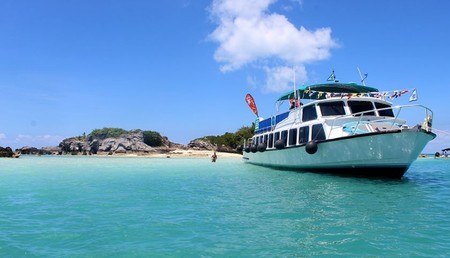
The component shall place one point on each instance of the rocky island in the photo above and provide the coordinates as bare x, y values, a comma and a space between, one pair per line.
117, 141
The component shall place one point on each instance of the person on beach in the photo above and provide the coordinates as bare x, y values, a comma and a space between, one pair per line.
214, 157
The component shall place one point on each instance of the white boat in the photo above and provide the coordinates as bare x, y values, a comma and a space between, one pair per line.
345, 128
443, 154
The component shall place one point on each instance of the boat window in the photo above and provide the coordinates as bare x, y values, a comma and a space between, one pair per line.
276, 136
303, 134
284, 137
309, 113
292, 136
384, 112
332, 108
261, 139
265, 138
256, 141
361, 106
318, 133
270, 140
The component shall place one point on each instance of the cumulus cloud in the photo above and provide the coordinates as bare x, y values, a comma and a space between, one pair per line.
280, 78
247, 34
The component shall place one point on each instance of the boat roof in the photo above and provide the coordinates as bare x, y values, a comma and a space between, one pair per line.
333, 87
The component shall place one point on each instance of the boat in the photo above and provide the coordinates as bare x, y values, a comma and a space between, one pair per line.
443, 154
339, 128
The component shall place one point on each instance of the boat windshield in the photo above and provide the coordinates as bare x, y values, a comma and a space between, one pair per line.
335, 108
357, 106
309, 113
385, 109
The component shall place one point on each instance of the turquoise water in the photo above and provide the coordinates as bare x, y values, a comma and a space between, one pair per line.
155, 207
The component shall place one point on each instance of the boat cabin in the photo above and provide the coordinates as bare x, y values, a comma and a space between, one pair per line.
325, 119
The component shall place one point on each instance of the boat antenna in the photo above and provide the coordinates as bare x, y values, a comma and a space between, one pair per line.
295, 90
362, 78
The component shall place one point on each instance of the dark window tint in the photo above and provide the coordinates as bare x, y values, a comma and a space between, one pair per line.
318, 133
293, 136
309, 113
303, 134
265, 138
284, 137
361, 106
270, 140
277, 136
384, 112
332, 108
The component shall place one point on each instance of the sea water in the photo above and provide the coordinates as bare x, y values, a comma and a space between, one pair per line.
191, 207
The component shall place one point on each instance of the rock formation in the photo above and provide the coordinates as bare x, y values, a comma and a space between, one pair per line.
125, 143
8, 153
201, 144
205, 144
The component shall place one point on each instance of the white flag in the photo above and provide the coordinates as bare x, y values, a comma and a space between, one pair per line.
413, 96
332, 77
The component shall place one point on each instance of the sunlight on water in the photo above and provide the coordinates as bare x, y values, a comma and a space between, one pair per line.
105, 206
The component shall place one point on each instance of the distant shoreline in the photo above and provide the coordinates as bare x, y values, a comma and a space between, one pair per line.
177, 153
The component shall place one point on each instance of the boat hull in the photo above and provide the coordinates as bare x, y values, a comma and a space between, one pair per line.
386, 154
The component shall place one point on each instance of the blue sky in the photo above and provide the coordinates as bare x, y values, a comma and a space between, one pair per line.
183, 67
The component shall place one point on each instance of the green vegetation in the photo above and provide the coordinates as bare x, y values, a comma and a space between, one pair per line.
107, 133
152, 138
232, 140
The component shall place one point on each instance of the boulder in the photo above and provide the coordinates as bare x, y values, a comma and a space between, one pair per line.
28, 150
74, 145
201, 144
6, 152
51, 150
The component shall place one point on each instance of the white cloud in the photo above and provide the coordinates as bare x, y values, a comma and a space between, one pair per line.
22, 140
248, 34
280, 78
252, 82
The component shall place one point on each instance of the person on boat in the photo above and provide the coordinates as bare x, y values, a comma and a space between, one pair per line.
214, 157
294, 103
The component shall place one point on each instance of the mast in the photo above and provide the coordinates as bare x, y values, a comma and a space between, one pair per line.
295, 90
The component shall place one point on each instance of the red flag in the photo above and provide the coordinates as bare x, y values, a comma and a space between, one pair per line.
251, 103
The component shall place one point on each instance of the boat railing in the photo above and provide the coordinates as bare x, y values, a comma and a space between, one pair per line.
394, 122
248, 142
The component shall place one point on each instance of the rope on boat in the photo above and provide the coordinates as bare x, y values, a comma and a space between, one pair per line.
441, 131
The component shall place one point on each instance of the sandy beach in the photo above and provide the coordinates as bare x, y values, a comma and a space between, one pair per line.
181, 153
